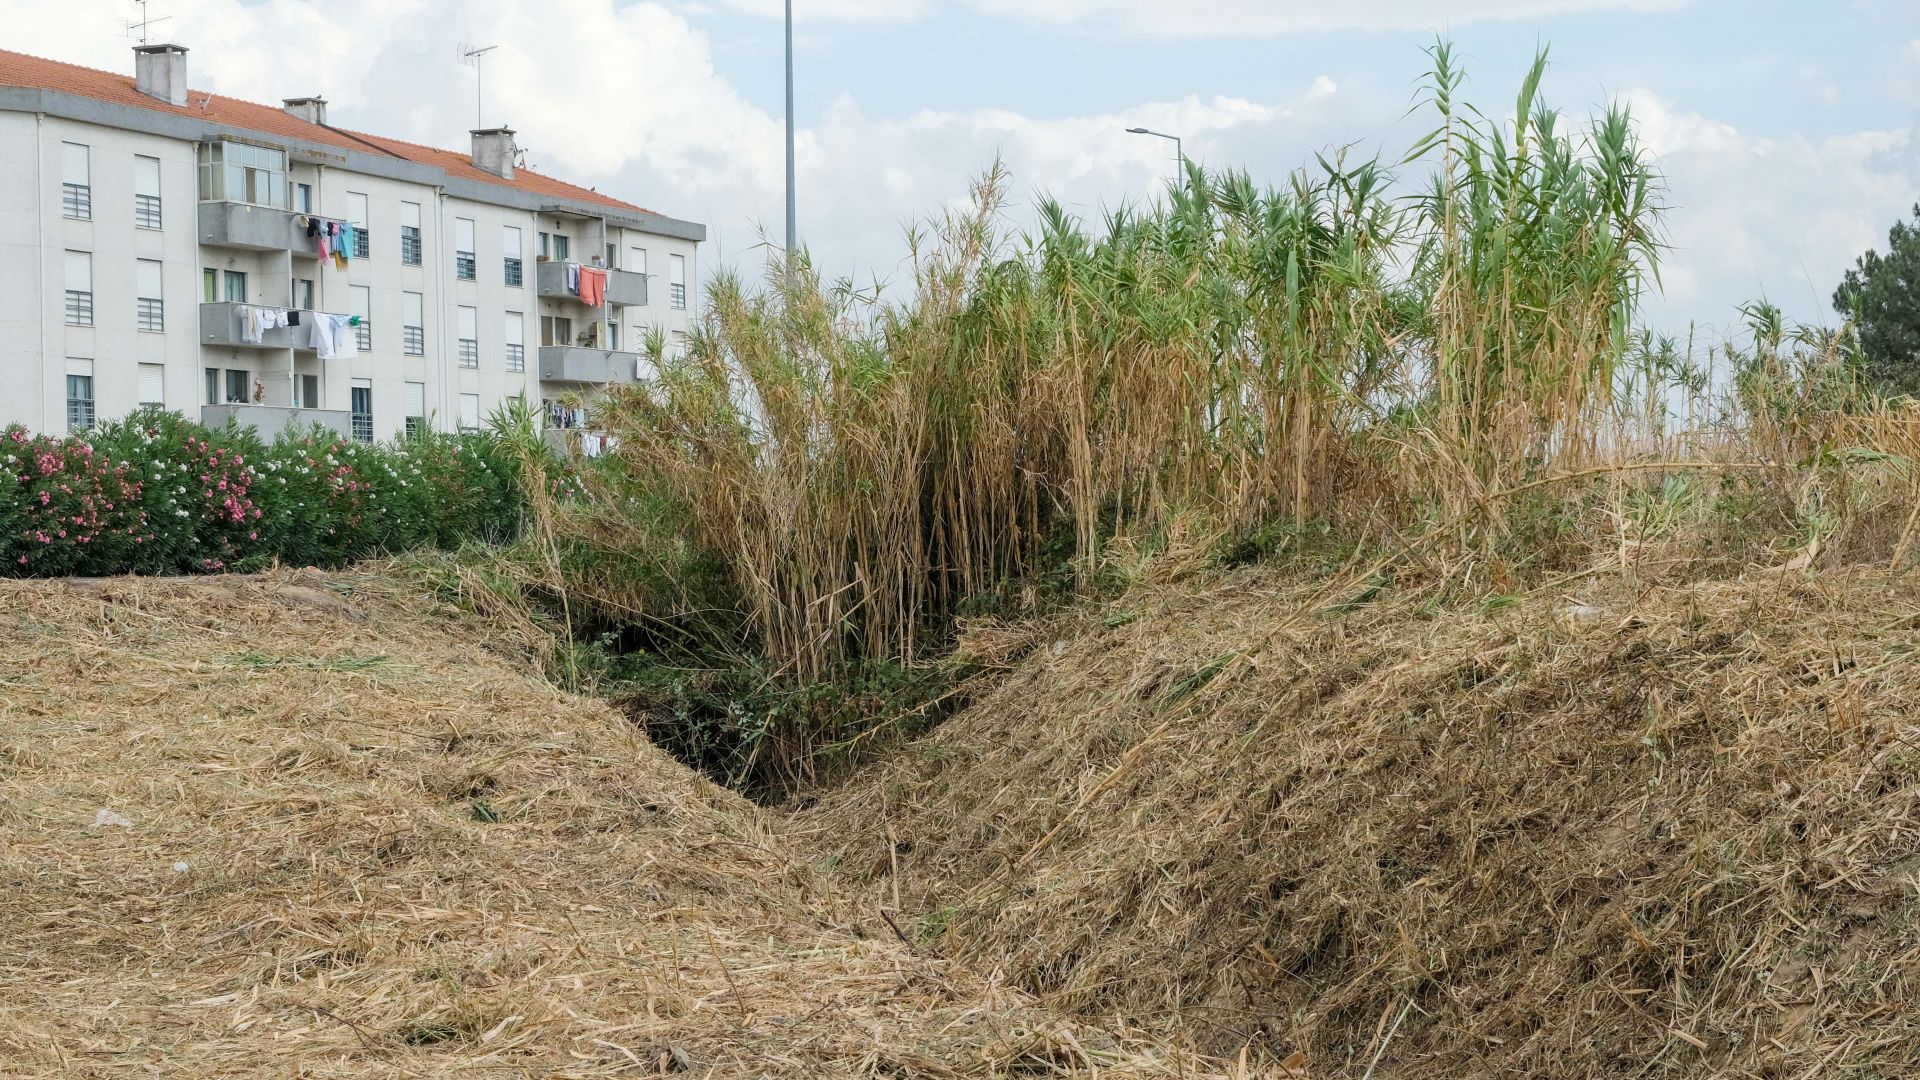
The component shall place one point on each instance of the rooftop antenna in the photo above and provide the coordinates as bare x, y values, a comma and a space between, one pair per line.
471, 57
145, 22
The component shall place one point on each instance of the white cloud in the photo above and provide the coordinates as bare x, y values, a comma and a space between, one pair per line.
1753, 216
664, 129
1161, 18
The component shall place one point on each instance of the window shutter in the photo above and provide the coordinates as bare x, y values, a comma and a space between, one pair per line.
153, 384
516, 328
677, 270
77, 366
637, 260
410, 215
469, 322
356, 208
146, 176
79, 271
73, 163
469, 410
463, 234
149, 280
362, 302
510, 240
416, 399
415, 305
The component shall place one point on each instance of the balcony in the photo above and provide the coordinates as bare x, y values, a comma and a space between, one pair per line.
623, 287
566, 363
252, 228
271, 420
220, 324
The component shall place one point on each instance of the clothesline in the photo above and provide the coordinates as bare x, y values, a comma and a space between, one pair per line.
324, 332
332, 237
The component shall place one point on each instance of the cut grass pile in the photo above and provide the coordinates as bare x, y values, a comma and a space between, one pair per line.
1667, 832
311, 825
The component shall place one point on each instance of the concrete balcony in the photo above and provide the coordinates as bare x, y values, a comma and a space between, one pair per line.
623, 287
221, 324
271, 420
252, 228
566, 363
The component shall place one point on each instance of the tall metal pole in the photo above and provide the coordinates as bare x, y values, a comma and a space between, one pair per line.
793, 236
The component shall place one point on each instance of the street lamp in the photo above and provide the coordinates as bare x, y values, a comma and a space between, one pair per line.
1177, 151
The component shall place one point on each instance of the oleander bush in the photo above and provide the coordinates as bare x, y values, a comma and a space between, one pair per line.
158, 494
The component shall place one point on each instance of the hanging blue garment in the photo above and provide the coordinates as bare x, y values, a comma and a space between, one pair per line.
573, 278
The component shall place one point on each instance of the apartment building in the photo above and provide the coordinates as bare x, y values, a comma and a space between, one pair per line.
145, 227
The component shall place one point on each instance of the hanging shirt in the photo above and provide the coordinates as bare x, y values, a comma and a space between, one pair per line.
327, 334
573, 278
593, 286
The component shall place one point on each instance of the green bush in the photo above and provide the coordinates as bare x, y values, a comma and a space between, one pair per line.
158, 494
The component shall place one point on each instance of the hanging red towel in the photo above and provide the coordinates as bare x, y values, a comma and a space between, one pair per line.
593, 286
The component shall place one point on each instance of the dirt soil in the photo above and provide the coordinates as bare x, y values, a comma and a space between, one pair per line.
1624, 833
313, 825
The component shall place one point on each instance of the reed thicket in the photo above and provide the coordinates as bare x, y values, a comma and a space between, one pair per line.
1394, 350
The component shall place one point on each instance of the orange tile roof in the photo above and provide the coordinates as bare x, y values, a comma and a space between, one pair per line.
20, 69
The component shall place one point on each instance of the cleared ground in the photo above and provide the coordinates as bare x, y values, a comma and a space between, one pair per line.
1666, 832
312, 825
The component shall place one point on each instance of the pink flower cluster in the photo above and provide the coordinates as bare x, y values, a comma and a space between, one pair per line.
69, 497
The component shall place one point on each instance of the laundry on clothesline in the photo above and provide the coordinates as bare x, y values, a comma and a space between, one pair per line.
256, 321
593, 285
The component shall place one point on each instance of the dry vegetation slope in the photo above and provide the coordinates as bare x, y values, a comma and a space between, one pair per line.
1663, 833
306, 884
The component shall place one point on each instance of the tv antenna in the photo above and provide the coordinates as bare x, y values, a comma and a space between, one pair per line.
471, 56
146, 22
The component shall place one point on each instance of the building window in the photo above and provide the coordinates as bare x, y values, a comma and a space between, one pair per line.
470, 414
413, 329
76, 182
363, 309
416, 415
410, 233
560, 245
363, 413
516, 341
303, 198
613, 336
469, 337
306, 392
302, 297
237, 379
79, 402
636, 261
79, 288
146, 192
357, 217
555, 330
153, 385
213, 385
150, 304
464, 264
239, 172
510, 245
546, 246
236, 286
677, 282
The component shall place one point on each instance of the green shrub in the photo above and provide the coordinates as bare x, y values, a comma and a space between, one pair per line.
158, 494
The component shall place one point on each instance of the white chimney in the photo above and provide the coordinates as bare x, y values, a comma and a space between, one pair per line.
160, 71
493, 151
311, 109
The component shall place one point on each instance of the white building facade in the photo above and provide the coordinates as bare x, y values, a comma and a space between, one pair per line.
142, 225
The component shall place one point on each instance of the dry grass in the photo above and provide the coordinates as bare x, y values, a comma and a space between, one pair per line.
1639, 832
360, 844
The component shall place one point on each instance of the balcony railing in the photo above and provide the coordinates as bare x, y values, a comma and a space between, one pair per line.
151, 314
270, 420
415, 340
511, 273
79, 308
623, 287
464, 266
146, 211
516, 358
566, 363
469, 353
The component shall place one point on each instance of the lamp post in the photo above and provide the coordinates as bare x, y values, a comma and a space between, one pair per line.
793, 242
1178, 151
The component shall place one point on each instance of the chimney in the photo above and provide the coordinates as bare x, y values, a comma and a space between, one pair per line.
311, 109
493, 151
160, 71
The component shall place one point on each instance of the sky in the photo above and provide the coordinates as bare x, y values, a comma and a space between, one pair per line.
1788, 133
